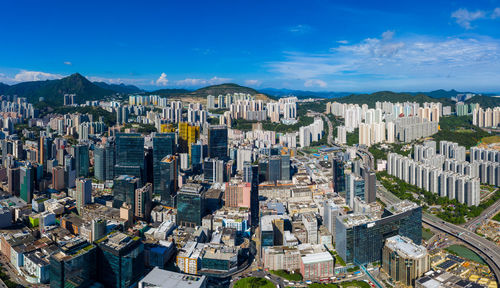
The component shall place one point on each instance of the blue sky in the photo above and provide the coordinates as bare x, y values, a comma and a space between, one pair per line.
359, 46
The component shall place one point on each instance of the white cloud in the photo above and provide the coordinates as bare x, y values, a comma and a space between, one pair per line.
496, 13
387, 62
251, 82
25, 75
464, 17
162, 80
300, 29
315, 83
343, 42
200, 82
67, 63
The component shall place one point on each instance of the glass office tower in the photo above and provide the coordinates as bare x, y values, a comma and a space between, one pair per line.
120, 260
190, 205
217, 142
360, 238
124, 190
74, 265
274, 169
163, 145
130, 155
81, 160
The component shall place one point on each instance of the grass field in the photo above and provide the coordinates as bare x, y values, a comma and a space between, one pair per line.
490, 140
427, 234
253, 282
286, 275
465, 252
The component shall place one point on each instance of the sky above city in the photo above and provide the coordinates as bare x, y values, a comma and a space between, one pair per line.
355, 46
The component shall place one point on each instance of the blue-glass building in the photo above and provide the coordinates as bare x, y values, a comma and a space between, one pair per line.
190, 205
120, 260
81, 154
130, 155
217, 142
124, 190
359, 238
163, 145
74, 265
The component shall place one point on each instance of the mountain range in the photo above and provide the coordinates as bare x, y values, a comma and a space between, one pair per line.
52, 92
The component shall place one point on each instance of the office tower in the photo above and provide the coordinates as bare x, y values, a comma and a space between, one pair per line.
254, 196
81, 154
338, 176
167, 180
120, 260
404, 261
370, 184
263, 168
124, 190
237, 194
74, 265
83, 193
247, 172
274, 169
213, 170
45, 152
98, 229
27, 182
190, 205
330, 214
285, 167
217, 142
143, 200
360, 237
13, 180
69, 171
196, 154
104, 161
355, 187
163, 146
130, 156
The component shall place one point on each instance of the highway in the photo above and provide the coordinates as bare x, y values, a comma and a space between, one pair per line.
485, 248
487, 214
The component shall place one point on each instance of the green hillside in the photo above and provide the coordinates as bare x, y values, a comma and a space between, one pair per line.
485, 101
53, 90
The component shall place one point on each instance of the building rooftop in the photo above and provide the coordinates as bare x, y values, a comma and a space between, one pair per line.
352, 220
317, 257
405, 247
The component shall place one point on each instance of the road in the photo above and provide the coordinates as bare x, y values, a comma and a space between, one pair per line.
485, 248
487, 214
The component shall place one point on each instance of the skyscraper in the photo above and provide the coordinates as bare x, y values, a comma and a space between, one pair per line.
360, 237
74, 265
124, 190
166, 185
285, 167
217, 142
338, 176
190, 205
143, 198
196, 153
81, 154
104, 161
163, 146
27, 179
130, 155
83, 193
120, 260
274, 169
